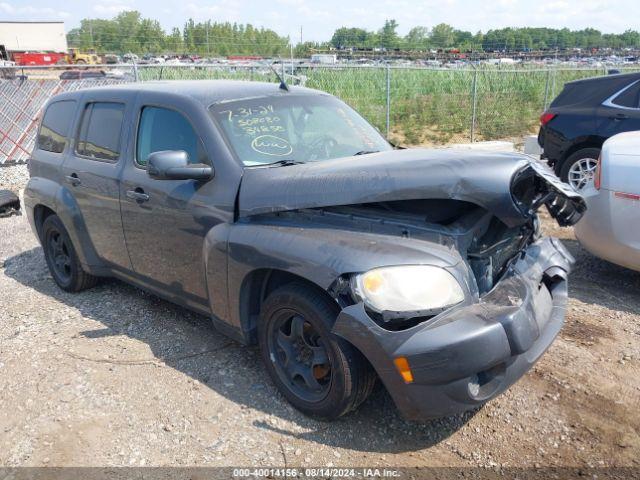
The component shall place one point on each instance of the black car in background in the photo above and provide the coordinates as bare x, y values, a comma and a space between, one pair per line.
582, 117
82, 74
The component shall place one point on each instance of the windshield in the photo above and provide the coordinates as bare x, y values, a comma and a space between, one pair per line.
295, 128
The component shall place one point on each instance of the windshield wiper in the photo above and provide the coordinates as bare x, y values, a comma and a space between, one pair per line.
365, 152
281, 163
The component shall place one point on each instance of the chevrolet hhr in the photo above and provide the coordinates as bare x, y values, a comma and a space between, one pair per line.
286, 218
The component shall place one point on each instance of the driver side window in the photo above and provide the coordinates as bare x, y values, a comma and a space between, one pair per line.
164, 129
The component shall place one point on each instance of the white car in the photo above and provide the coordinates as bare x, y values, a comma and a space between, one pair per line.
610, 229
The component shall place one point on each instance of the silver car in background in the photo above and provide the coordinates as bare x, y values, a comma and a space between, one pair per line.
610, 229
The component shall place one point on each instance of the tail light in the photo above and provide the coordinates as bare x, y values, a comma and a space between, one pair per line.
546, 117
597, 176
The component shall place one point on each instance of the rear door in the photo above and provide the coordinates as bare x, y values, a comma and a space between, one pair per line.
621, 111
91, 173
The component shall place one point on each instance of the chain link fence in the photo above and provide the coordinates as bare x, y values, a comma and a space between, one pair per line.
411, 106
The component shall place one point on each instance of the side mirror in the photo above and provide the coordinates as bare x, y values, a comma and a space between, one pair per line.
174, 165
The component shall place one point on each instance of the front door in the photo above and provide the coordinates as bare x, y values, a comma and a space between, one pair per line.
165, 221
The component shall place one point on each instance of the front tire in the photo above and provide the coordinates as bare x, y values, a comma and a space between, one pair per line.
61, 257
579, 168
318, 372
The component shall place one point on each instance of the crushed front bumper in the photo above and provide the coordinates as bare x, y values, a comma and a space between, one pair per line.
470, 354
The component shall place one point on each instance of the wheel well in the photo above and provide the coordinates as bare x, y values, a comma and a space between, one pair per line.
256, 288
591, 142
40, 213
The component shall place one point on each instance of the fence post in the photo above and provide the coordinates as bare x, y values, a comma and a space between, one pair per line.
291, 53
387, 122
135, 72
474, 102
546, 91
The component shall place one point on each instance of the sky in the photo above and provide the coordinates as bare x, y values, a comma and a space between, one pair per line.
318, 19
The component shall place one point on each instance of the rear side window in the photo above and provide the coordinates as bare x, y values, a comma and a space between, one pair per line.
100, 131
581, 93
53, 135
630, 97
164, 129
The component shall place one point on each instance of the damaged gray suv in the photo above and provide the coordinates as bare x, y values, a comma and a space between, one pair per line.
290, 221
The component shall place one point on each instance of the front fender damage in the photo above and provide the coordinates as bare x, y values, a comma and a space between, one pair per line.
489, 344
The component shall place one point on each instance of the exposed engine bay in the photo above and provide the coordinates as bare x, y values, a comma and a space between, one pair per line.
486, 243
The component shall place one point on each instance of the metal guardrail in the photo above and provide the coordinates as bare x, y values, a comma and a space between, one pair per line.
411, 105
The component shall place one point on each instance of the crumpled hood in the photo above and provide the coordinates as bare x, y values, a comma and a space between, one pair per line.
483, 178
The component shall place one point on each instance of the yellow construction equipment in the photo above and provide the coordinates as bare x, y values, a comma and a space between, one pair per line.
75, 56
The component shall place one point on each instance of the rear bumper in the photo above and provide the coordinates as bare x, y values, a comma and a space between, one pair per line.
470, 354
554, 145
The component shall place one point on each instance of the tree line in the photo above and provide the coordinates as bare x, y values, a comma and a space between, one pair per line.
445, 36
129, 32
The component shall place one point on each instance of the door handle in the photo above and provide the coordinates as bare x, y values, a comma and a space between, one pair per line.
138, 195
73, 180
619, 116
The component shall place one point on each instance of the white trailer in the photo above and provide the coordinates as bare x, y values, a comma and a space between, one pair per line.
33, 36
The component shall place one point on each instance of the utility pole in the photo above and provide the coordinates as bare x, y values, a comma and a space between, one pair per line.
300, 34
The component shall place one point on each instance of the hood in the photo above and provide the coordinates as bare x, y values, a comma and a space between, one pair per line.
482, 178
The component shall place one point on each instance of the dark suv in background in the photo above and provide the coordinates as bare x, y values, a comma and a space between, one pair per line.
582, 117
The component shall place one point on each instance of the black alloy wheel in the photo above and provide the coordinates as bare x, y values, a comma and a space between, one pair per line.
61, 257
318, 372
301, 358
58, 250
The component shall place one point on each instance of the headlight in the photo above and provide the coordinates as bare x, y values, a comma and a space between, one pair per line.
407, 288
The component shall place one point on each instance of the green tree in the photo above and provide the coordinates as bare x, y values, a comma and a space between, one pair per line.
417, 38
442, 36
630, 38
350, 38
387, 36
174, 42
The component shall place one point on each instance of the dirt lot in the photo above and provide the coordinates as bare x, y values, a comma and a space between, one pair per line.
114, 376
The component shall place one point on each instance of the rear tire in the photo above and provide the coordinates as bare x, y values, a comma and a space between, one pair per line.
61, 257
319, 373
578, 169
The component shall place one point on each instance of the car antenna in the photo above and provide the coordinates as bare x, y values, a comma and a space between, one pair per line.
283, 84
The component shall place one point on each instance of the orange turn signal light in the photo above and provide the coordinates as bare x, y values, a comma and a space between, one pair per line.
403, 369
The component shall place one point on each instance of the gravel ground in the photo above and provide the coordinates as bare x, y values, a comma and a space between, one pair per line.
113, 376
